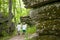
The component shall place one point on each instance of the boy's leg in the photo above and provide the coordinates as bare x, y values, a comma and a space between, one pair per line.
24, 32
18, 32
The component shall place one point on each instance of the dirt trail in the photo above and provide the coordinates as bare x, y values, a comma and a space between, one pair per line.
22, 37
17, 38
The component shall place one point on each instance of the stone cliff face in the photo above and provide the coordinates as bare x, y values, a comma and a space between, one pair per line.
46, 15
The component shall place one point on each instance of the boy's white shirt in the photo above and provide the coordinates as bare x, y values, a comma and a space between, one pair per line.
18, 27
24, 27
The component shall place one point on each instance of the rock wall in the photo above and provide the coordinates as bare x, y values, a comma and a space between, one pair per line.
46, 15
27, 20
37, 3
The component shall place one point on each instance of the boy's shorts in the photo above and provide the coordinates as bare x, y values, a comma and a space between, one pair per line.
24, 31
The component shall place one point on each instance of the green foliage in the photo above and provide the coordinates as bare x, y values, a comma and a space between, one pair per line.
5, 18
17, 12
31, 30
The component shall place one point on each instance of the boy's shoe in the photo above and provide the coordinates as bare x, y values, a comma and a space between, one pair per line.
23, 33
18, 33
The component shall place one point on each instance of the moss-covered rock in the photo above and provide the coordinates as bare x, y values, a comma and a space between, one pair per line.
46, 15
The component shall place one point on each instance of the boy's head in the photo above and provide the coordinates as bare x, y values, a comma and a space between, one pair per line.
23, 22
18, 23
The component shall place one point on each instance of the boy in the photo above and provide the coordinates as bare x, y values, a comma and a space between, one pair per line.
18, 28
24, 26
